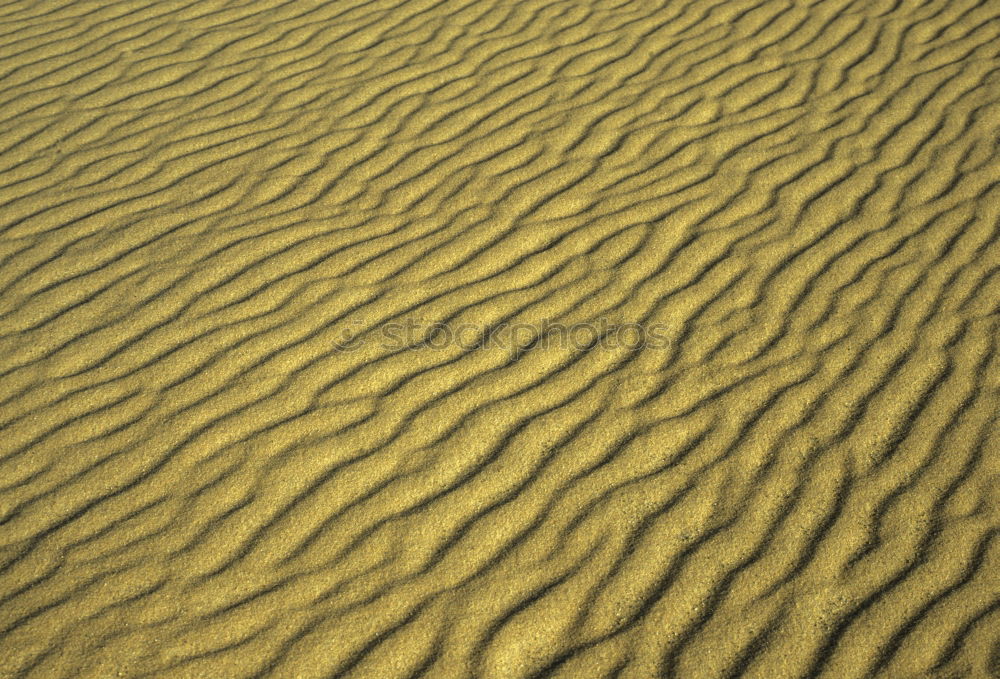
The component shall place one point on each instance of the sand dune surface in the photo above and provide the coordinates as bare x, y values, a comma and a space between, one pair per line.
500, 338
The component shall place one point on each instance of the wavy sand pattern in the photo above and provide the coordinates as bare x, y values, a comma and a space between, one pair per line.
216, 462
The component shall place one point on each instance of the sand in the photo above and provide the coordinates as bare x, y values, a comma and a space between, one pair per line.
500, 339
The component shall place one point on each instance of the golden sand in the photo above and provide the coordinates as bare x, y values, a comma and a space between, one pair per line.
500, 338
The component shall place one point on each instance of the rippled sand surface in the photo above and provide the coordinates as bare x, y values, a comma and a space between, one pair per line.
500, 338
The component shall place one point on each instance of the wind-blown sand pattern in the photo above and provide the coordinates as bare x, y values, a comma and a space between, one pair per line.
216, 462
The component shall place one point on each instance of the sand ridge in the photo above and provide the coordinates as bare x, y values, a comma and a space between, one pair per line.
500, 338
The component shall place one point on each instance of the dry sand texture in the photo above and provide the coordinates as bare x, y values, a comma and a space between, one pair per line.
795, 474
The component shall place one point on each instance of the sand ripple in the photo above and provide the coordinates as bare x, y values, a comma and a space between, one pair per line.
280, 394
